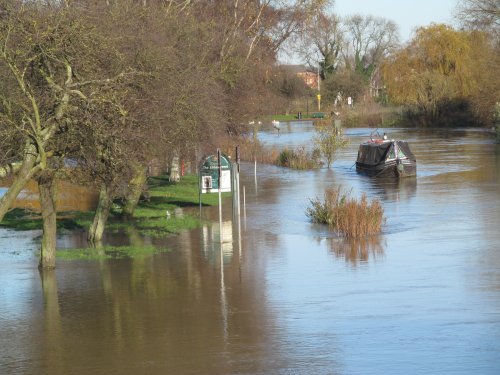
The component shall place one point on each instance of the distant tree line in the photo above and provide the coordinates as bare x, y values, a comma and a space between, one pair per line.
448, 76
443, 77
348, 52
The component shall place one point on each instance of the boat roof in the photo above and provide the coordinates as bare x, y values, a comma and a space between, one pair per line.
374, 151
376, 142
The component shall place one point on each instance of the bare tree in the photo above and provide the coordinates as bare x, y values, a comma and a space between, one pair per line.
322, 43
370, 39
479, 14
56, 67
113, 84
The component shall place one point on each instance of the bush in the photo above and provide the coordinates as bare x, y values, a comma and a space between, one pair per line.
346, 215
328, 141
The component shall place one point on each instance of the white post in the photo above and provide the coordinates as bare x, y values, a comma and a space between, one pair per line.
244, 200
255, 175
238, 179
319, 79
220, 196
244, 206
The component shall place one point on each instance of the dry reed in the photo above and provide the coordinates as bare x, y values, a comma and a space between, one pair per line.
347, 215
298, 158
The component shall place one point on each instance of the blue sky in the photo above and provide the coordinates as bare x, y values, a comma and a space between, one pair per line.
408, 14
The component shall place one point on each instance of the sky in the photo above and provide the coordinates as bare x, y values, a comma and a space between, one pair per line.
408, 14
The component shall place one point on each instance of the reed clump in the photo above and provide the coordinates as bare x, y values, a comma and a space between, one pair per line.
298, 158
346, 215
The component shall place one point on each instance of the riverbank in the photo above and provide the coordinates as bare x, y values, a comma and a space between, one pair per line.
161, 214
363, 115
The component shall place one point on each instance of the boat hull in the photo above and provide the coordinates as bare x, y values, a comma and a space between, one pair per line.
394, 168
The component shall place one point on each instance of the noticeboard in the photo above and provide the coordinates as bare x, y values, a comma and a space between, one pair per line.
209, 174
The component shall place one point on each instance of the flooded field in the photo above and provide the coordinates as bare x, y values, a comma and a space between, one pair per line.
281, 295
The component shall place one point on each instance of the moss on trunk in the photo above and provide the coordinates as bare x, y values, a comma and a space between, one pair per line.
136, 186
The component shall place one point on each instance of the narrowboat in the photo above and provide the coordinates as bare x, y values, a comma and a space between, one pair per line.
386, 158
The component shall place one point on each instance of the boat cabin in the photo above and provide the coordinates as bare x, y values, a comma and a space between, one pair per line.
387, 158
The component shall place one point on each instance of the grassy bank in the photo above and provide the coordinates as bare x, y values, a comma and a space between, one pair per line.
373, 115
362, 115
155, 216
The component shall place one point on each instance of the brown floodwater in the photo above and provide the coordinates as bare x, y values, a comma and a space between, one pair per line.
281, 295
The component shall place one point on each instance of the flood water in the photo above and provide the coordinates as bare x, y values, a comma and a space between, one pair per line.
285, 296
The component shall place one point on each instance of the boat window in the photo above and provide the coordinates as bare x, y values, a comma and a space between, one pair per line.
391, 154
401, 154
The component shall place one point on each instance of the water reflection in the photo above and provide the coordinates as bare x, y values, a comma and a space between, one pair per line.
53, 333
390, 189
212, 244
357, 250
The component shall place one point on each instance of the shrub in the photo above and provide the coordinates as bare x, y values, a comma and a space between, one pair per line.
328, 141
346, 215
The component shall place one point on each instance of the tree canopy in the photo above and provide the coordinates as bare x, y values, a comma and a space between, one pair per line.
439, 67
106, 87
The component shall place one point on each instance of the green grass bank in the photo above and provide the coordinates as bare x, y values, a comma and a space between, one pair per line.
155, 216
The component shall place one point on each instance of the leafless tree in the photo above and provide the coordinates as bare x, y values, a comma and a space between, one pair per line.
322, 43
480, 14
57, 69
369, 40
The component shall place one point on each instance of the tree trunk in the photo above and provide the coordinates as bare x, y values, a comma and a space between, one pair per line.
135, 187
46, 187
174, 175
96, 230
25, 173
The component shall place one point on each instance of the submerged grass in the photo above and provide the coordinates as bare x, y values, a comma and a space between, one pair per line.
347, 215
108, 252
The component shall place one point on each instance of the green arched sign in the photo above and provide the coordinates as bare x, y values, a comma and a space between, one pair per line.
209, 174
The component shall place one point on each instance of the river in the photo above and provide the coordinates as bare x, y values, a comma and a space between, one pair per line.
282, 295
